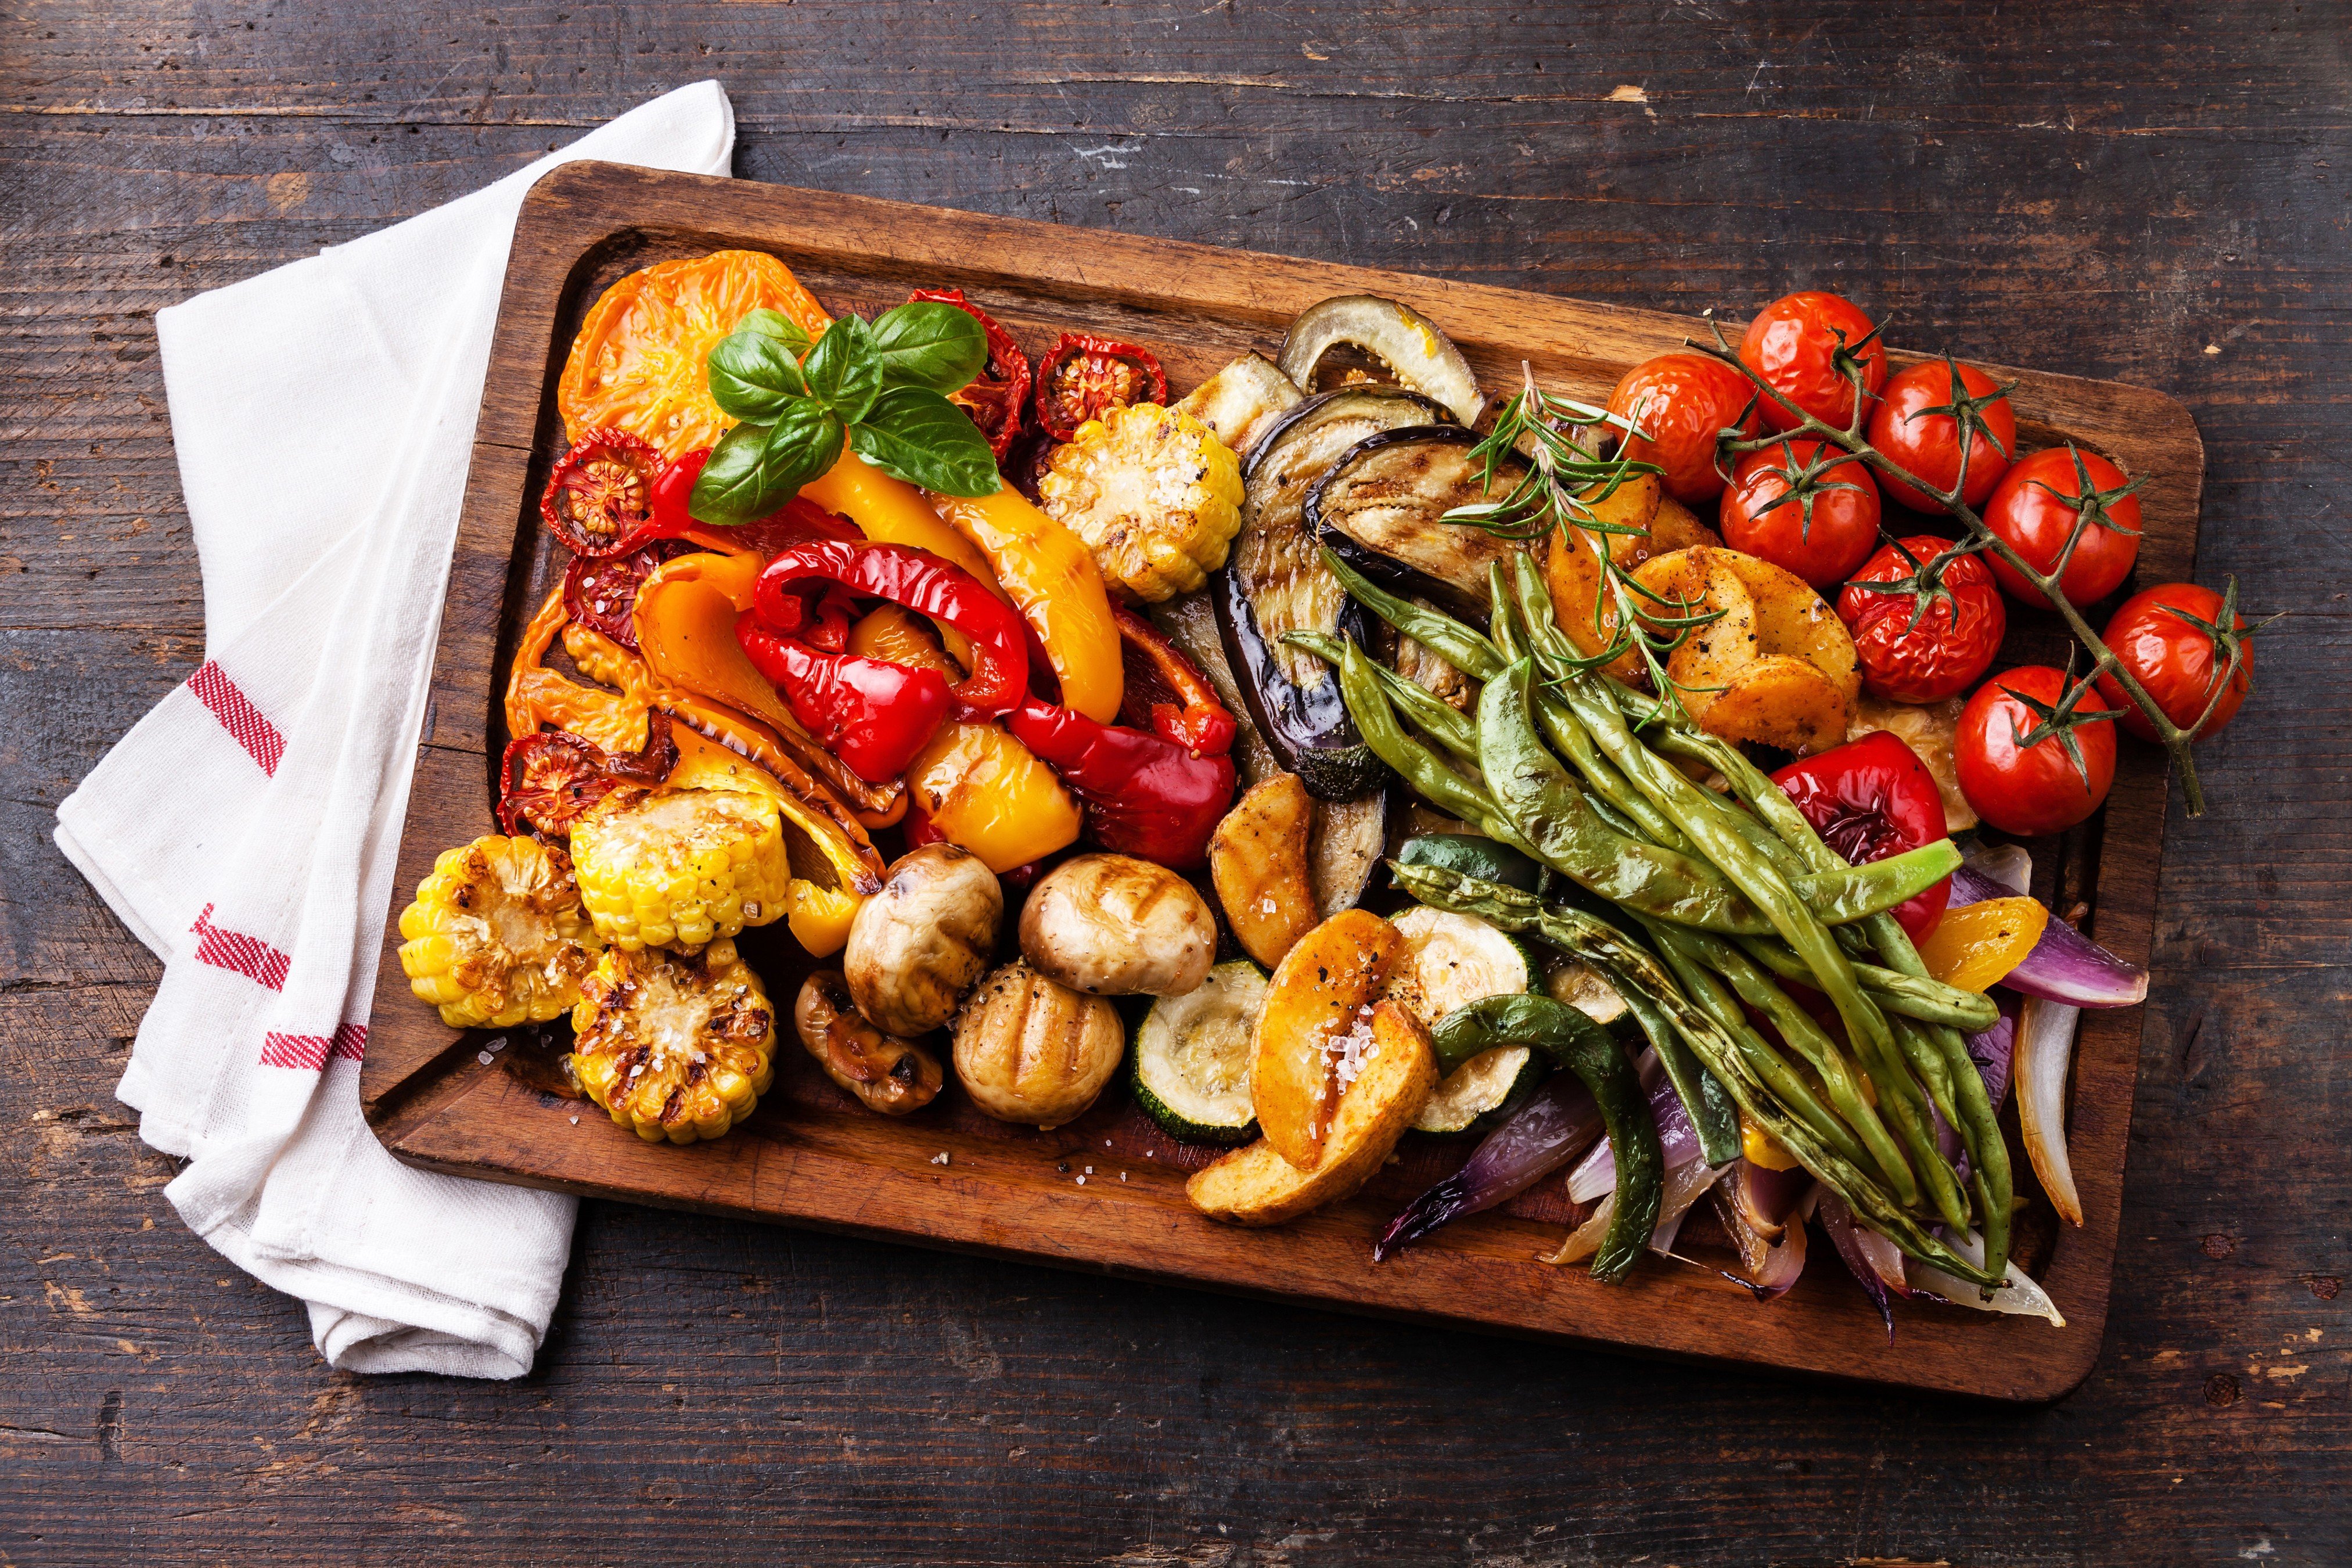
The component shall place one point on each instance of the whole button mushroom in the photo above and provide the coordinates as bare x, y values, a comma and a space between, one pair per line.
917, 946
1028, 1050
1112, 925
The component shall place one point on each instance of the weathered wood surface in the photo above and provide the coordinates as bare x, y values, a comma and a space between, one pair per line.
2137, 193
813, 1156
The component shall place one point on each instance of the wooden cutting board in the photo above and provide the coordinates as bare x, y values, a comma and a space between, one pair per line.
1106, 1193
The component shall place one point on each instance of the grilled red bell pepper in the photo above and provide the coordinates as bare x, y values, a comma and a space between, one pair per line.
795, 520
1165, 693
873, 715
1145, 795
924, 583
1869, 799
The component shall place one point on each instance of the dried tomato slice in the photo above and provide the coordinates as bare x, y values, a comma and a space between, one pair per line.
549, 781
601, 591
601, 493
1085, 374
994, 397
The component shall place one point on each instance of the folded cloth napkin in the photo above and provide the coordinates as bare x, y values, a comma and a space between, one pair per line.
246, 829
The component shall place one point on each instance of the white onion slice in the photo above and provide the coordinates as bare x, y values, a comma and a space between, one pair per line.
1684, 1185
2007, 864
2017, 1296
2045, 1049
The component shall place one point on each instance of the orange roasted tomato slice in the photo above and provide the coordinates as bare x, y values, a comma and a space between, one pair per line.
639, 363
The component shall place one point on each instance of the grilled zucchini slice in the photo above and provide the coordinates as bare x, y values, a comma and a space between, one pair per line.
1193, 1056
1451, 961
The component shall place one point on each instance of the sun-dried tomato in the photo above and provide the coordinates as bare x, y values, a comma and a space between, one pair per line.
601, 493
995, 396
601, 592
551, 780
1085, 374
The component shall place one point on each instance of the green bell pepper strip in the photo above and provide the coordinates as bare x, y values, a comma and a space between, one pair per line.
1578, 1044
1596, 943
1533, 790
1809, 1040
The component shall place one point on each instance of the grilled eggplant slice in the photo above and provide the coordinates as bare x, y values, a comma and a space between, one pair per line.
1243, 401
1408, 343
1381, 508
1275, 581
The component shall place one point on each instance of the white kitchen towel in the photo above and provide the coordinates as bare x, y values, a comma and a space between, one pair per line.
246, 829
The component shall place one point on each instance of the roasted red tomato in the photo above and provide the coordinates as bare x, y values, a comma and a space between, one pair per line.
2042, 788
2167, 638
1804, 507
995, 396
1801, 345
1929, 627
601, 592
2035, 511
1681, 403
550, 781
1085, 374
1869, 799
1917, 423
601, 493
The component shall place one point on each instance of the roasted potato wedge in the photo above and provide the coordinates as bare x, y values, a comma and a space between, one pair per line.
1631, 505
1780, 701
1712, 656
1674, 527
1317, 1008
1792, 620
1396, 1073
1257, 860
1573, 577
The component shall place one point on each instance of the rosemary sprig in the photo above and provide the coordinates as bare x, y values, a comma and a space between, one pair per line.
1562, 488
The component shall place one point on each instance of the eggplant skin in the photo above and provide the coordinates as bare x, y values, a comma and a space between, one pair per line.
1380, 506
1305, 727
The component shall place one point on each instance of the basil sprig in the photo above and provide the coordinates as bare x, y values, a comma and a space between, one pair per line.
880, 386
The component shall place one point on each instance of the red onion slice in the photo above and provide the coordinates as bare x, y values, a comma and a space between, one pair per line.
2064, 966
1677, 1140
2017, 1295
1551, 1128
1768, 1265
1875, 1262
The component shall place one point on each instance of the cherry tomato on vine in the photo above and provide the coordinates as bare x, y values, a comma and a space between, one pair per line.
1803, 507
2034, 512
2164, 638
2039, 789
1682, 402
1869, 799
1917, 425
1943, 648
1799, 344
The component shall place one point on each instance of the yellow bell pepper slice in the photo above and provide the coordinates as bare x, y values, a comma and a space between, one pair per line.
1976, 944
1053, 580
892, 512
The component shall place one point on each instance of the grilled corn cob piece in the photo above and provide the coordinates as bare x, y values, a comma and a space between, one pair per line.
1155, 494
677, 868
675, 1047
497, 936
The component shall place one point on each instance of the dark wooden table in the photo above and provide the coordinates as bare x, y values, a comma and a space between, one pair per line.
2139, 192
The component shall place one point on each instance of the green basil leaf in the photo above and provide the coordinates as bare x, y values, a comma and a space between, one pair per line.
777, 325
914, 434
753, 377
929, 344
756, 469
842, 370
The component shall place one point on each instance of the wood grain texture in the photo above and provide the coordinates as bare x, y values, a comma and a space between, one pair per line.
813, 1157
2112, 189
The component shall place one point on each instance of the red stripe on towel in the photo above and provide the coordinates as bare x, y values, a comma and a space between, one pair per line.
308, 1053
240, 953
237, 715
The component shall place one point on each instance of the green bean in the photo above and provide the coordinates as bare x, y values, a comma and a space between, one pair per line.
1633, 969
1712, 1115
1435, 717
1421, 768
1809, 1040
1441, 633
1922, 997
